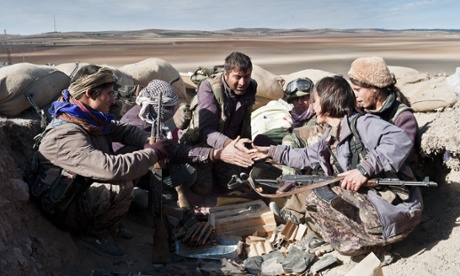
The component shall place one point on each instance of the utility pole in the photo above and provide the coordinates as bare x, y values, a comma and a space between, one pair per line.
8, 54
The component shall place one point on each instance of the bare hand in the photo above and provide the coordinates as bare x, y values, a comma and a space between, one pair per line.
259, 153
232, 155
353, 180
240, 144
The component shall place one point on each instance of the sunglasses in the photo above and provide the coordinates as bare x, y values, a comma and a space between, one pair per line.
304, 85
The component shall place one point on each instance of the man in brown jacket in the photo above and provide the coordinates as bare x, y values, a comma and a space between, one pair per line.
82, 186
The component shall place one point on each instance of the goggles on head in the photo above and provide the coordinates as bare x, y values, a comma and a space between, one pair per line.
303, 84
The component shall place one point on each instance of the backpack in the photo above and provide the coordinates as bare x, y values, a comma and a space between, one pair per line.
54, 187
183, 115
186, 117
203, 73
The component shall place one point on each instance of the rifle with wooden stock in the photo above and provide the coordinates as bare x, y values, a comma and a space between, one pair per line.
161, 253
288, 185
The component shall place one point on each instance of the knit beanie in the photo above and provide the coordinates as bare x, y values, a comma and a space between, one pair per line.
148, 99
371, 70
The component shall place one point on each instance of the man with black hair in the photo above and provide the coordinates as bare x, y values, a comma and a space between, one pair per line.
224, 114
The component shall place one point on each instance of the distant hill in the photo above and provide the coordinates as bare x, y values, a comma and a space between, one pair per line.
153, 33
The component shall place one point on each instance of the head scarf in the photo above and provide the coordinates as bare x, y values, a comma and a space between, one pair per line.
148, 99
79, 87
71, 110
299, 119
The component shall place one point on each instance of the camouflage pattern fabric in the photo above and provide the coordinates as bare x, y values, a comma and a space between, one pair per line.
349, 222
106, 202
302, 137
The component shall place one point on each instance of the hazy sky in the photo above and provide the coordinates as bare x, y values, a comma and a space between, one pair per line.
38, 16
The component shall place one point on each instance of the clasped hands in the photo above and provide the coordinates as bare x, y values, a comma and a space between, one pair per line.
242, 152
353, 179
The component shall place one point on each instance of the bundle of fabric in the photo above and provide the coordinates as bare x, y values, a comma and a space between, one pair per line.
123, 79
269, 86
155, 68
424, 91
44, 83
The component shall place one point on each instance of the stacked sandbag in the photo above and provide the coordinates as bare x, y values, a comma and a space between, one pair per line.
155, 68
45, 83
314, 74
69, 68
425, 92
269, 86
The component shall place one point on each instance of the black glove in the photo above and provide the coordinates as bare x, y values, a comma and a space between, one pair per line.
162, 148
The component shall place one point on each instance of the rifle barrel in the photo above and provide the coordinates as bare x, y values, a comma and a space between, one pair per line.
160, 107
370, 183
398, 182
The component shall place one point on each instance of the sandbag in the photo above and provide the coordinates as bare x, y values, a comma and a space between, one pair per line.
269, 86
44, 82
155, 68
314, 74
424, 92
123, 78
71, 67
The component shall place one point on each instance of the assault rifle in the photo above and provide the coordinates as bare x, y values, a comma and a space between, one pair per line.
292, 184
161, 254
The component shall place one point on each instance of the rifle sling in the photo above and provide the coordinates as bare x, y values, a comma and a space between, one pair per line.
295, 191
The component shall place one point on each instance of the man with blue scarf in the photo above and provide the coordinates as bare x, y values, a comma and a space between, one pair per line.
82, 186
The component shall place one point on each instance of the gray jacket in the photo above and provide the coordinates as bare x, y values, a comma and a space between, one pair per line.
388, 146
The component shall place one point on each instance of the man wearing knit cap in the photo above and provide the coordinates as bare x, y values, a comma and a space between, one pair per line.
376, 93
80, 184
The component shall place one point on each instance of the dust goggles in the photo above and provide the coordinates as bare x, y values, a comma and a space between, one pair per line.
304, 85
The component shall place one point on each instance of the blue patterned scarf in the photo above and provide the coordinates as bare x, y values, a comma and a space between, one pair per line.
71, 110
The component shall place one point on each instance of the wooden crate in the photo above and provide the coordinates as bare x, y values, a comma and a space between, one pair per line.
242, 219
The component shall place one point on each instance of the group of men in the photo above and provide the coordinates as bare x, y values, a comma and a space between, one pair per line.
100, 159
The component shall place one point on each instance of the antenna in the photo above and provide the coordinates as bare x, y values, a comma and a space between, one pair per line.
54, 19
8, 54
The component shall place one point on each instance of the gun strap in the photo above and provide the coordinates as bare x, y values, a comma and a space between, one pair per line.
252, 183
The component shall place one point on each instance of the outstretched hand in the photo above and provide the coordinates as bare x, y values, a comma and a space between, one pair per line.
234, 154
259, 152
241, 144
353, 180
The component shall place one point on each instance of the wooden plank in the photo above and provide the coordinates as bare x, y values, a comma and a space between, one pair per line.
266, 217
238, 222
243, 205
251, 230
242, 219
238, 212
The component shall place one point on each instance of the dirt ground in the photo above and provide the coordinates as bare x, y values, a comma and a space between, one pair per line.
30, 245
